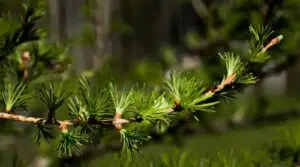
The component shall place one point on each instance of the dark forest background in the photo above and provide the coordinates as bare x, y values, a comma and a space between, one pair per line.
130, 41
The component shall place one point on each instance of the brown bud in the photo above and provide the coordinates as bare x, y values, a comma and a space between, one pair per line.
25, 56
63, 127
117, 125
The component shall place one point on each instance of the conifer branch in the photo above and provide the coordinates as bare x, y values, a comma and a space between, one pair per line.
88, 108
187, 93
230, 79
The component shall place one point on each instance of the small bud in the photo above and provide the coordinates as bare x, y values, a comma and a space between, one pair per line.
280, 37
25, 56
63, 127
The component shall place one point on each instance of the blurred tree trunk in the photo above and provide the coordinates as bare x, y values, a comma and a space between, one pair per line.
74, 26
102, 23
275, 84
116, 45
68, 21
57, 19
166, 8
293, 80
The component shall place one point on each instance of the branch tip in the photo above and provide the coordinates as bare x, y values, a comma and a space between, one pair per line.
273, 42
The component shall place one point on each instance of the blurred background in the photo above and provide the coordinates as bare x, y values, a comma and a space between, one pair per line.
129, 41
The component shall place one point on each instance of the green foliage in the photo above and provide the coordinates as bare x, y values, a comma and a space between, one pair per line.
235, 65
122, 99
131, 141
43, 131
93, 105
176, 159
151, 105
71, 143
76, 109
89, 102
14, 96
261, 34
52, 96
44, 54
18, 32
221, 159
286, 147
189, 92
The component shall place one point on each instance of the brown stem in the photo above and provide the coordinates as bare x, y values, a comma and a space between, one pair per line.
25, 59
25, 75
20, 118
273, 42
227, 81
63, 124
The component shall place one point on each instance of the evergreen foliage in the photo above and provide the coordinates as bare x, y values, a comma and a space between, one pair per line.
131, 111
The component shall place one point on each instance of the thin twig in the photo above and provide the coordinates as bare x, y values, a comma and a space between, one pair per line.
273, 42
63, 123
227, 81
20, 118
